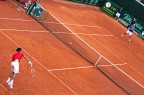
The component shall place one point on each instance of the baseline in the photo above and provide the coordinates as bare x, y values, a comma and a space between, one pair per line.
39, 63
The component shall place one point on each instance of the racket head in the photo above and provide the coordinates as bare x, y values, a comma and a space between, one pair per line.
33, 72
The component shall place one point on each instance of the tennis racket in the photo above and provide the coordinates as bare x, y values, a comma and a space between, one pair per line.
33, 72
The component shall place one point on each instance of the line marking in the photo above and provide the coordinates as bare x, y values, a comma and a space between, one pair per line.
23, 30
98, 60
52, 32
39, 63
99, 53
120, 41
1, 18
85, 67
108, 49
80, 33
78, 25
5, 89
117, 55
63, 83
111, 65
136, 71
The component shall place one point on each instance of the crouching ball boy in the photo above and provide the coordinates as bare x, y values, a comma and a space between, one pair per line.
15, 66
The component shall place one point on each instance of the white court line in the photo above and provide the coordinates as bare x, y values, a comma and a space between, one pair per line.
108, 49
135, 70
111, 65
99, 53
78, 25
80, 34
117, 55
85, 67
3, 87
23, 30
52, 32
120, 41
98, 60
1, 18
40, 63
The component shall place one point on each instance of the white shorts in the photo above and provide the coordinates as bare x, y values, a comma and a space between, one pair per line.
128, 32
15, 66
118, 14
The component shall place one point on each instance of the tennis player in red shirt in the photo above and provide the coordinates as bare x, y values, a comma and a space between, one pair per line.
15, 66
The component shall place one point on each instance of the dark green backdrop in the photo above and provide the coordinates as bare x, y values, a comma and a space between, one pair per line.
132, 7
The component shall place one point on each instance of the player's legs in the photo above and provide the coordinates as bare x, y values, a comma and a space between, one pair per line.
130, 34
15, 71
125, 33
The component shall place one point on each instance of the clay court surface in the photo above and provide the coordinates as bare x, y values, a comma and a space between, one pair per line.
60, 69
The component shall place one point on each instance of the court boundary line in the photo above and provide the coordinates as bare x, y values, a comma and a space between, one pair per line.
39, 31
39, 63
136, 71
108, 49
111, 65
98, 60
118, 57
81, 34
5, 89
13, 19
79, 25
82, 67
73, 68
98, 52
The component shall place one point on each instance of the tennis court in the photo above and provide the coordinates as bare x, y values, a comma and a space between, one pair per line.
62, 55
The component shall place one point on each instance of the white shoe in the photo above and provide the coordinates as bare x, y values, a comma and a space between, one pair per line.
10, 85
7, 81
129, 40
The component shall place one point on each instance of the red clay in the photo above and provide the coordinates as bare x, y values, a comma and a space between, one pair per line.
44, 49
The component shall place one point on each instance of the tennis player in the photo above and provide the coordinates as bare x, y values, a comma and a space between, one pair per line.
15, 66
132, 22
129, 31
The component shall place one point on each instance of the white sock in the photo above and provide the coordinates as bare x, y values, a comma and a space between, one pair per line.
8, 80
12, 82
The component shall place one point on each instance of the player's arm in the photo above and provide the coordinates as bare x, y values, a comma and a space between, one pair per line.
28, 61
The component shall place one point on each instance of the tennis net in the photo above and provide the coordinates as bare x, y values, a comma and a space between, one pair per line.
116, 73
